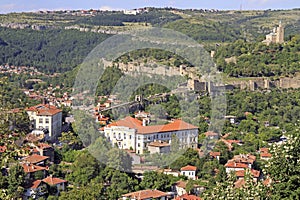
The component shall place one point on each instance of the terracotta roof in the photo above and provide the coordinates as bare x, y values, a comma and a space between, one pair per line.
264, 150
33, 159
53, 181
44, 146
239, 183
44, 109
210, 133
235, 165
214, 154
188, 168
187, 197
265, 155
134, 123
241, 173
244, 158
159, 144
34, 184
181, 184
146, 194
2, 149
32, 168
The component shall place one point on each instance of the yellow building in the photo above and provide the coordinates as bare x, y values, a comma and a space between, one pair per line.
277, 36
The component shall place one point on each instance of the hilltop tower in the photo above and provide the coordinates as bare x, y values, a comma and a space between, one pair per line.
280, 34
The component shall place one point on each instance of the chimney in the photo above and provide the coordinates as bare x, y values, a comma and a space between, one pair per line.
144, 122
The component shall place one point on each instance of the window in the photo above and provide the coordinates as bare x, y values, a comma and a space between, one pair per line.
47, 120
41, 120
114, 135
139, 137
139, 145
129, 136
125, 136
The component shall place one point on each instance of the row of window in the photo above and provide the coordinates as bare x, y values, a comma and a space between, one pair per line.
46, 120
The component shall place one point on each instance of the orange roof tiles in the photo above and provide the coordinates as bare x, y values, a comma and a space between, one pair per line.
265, 155
241, 173
235, 165
44, 109
35, 158
188, 168
244, 158
32, 168
146, 194
214, 154
187, 197
2, 149
210, 133
53, 181
34, 185
134, 123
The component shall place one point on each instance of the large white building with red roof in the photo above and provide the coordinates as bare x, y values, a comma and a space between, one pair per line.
46, 117
131, 133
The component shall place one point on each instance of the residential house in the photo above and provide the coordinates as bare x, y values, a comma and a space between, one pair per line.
146, 195
256, 174
60, 184
215, 155
159, 147
30, 169
244, 158
180, 188
189, 171
35, 189
264, 154
211, 135
46, 117
234, 166
132, 133
36, 159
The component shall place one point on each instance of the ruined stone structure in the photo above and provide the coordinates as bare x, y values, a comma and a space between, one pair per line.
277, 36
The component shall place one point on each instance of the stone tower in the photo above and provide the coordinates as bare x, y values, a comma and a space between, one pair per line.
280, 34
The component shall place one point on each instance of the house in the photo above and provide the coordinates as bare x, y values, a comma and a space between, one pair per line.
46, 117
35, 189
132, 133
30, 169
256, 174
233, 166
229, 143
180, 188
36, 159
159, 147
171, 172
215, 155
231, 118
264, 154
245, 159
187, 197
43, 149
146, 195
59, 183
189, 171
211, 135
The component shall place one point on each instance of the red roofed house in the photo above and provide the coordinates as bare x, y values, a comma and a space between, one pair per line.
145, 195
241, 174
131, 133
30, 169
180, 188
189, 171
159, 147
245, 159
187, 197
36, 159
211, 135
59, 183
215, 155
46, 117
35, 189
264, 154
234, 166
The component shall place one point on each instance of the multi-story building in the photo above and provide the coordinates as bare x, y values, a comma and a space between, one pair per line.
131, 133
46, 117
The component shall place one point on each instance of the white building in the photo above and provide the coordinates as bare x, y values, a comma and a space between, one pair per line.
46, 117
189, 171
131, 133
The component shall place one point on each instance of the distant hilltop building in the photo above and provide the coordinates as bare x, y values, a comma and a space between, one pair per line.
277, 36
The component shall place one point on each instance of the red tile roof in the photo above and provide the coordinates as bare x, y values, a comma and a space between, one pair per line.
44, 146
32, 168
137, 124
235, 165
264, 150
53, 181
214, 154
34, 184
2, 149
187, 197
146, 194
210, 133
44, 109
244, 158
188, 168
265, 155
35, 158
241, 173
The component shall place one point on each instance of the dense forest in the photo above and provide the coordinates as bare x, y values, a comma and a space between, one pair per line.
49, 50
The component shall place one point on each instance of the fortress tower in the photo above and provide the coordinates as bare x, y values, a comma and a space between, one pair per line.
280, 34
